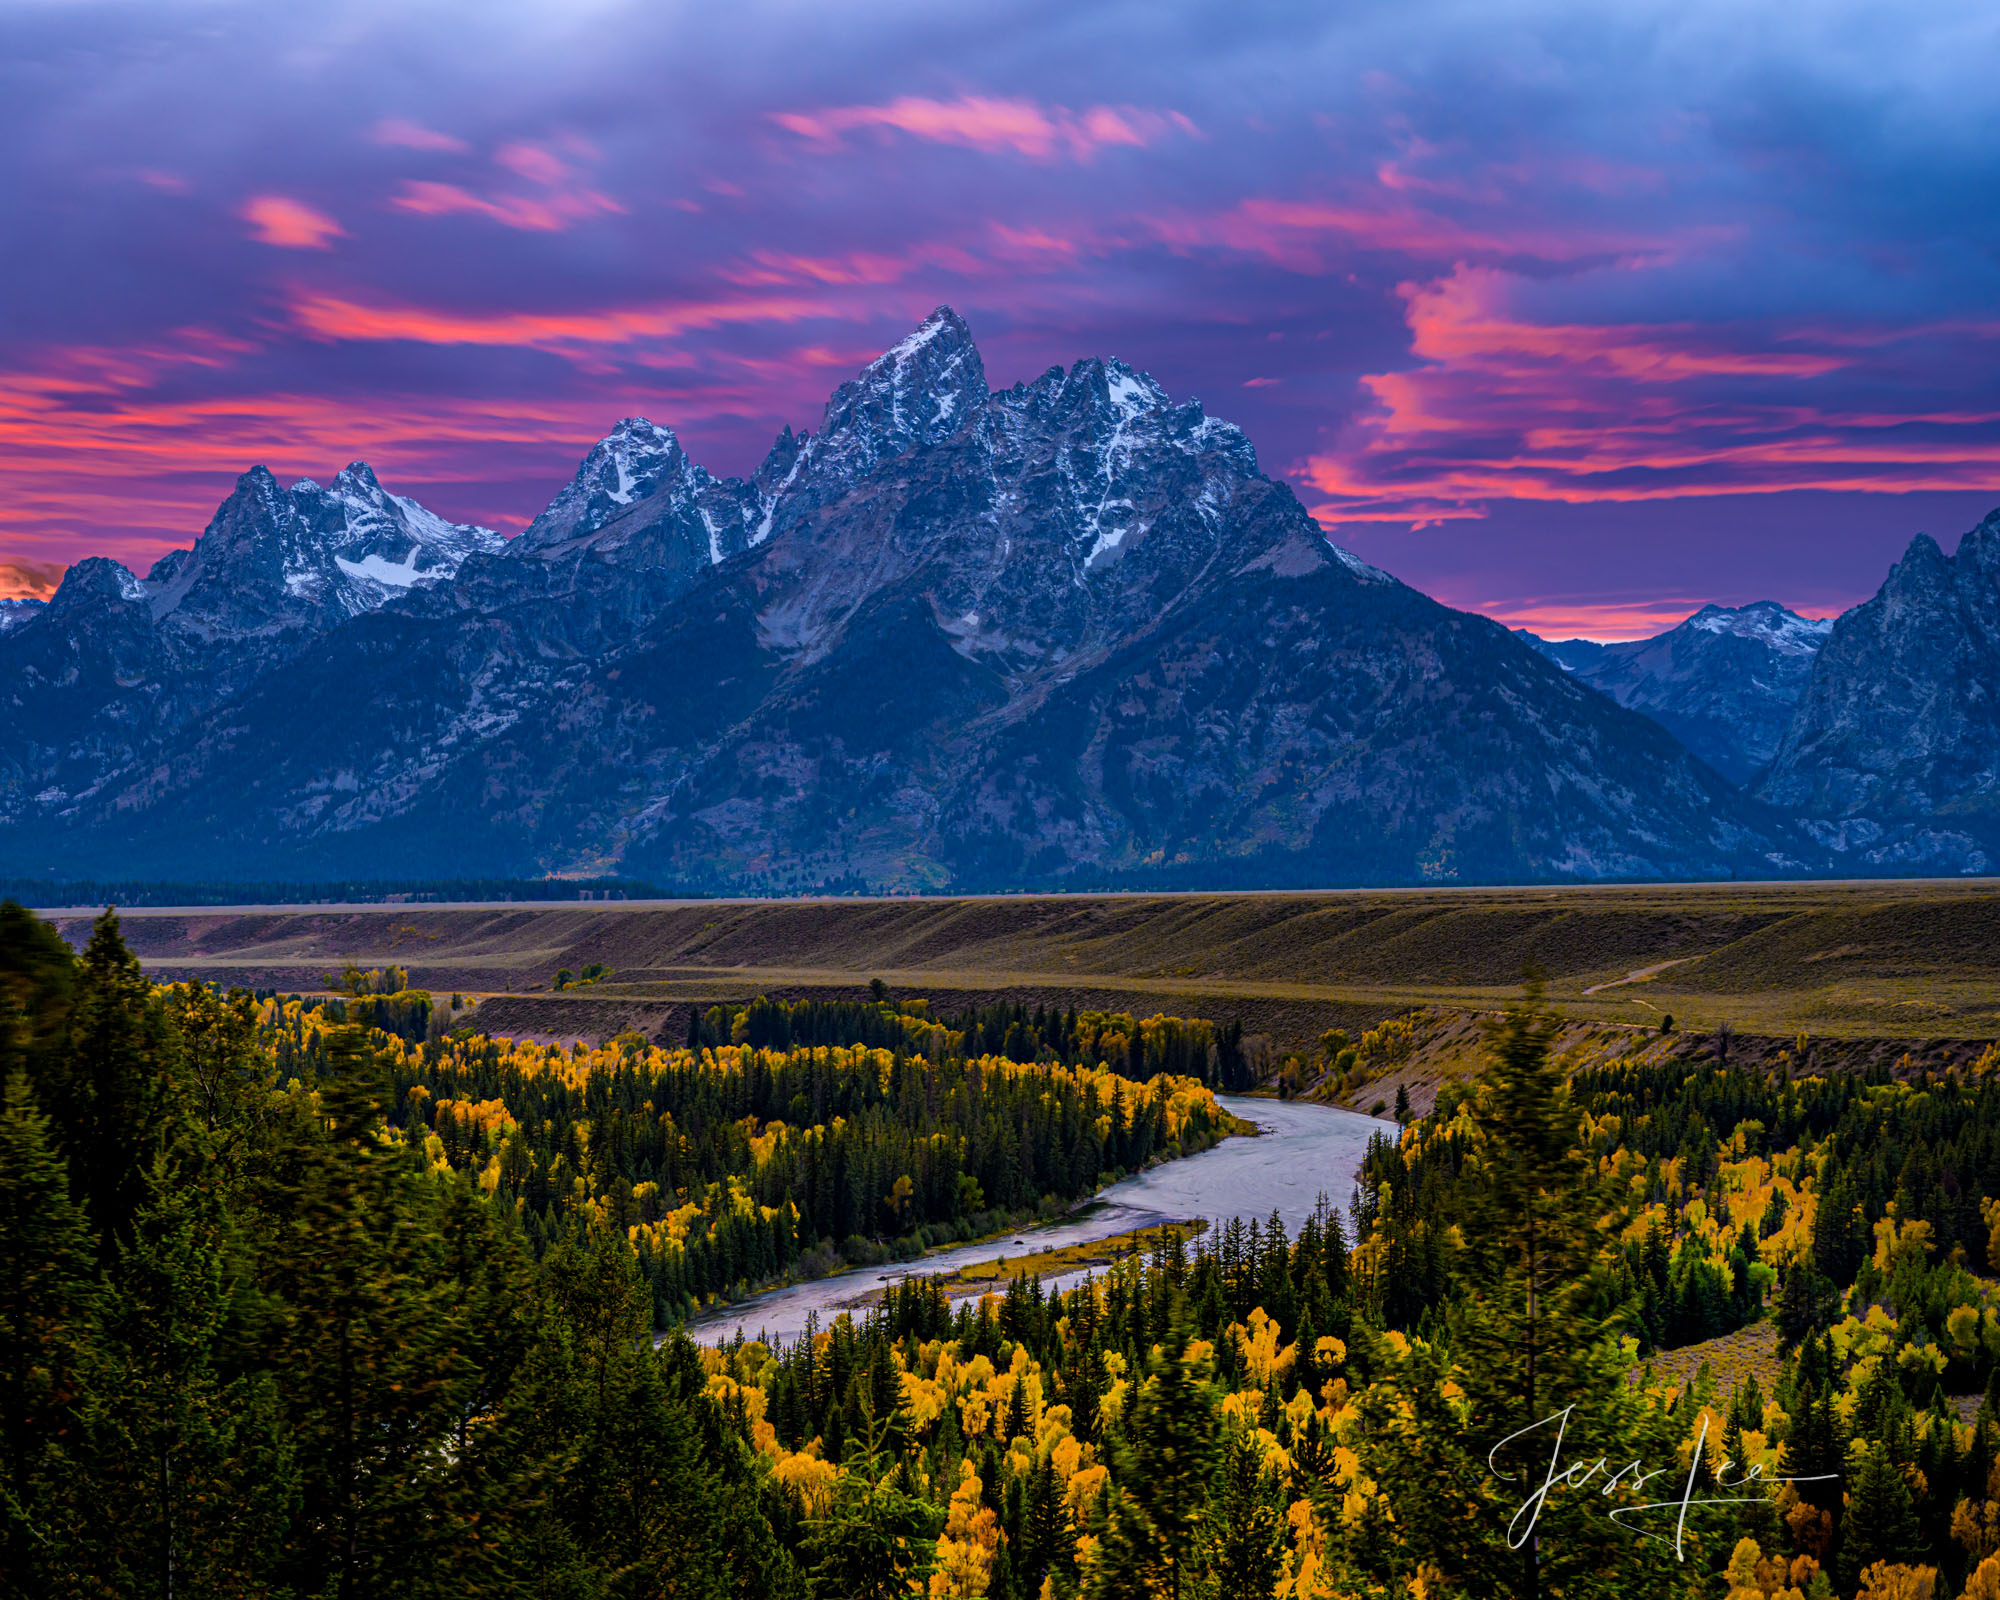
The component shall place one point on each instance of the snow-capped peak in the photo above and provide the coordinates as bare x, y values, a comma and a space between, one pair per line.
638, 451
1132, 392
925, 382
943, 320
274, 558
629, 464
13, 613
1776, 625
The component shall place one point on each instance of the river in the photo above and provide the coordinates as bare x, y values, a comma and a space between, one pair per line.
1304, 1150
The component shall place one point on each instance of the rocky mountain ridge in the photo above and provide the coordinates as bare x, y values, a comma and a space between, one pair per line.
1060, 634
15, 612
1724, 682
1894, 755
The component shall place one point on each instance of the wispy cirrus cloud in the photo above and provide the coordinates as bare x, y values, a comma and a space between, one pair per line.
333, 318
401, 133
532, 213
290, 224
982, 122
1503, 406
560, 201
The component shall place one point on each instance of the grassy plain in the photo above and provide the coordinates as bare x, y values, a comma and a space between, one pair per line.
1859, 961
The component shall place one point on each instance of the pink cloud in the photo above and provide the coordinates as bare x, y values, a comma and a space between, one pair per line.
1033, 241
860, 268
329, 317
532, 162
1581, 617
982, 122
406, 135
1505, 406
29, 580
290, 224
549, 214
1308, 236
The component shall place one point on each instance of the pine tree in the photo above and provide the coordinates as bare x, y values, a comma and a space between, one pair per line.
1881, 1522
192, 1480
48, 1300
375, 1343
1245, 1533
1519, 1358
1151, 1537
875, 1541
1048, 1543
108, 1093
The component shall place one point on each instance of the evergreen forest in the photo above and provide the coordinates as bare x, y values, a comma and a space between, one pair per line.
340, 1298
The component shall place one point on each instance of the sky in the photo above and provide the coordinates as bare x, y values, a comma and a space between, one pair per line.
1581, 316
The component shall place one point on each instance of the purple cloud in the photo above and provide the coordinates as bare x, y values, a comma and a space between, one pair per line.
1530, 303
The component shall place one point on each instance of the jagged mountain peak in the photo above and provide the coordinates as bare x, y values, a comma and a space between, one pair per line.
1924, 561
634, 461
944, 334
1723, 681
274, 559
1125, 389
95, 578
1892, 756
921, 389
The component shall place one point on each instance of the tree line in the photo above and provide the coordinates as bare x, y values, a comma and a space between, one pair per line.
275, 1320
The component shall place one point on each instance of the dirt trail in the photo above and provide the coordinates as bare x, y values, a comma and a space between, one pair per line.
1637, 975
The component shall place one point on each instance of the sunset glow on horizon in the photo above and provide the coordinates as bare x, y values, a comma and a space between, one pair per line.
1577, 317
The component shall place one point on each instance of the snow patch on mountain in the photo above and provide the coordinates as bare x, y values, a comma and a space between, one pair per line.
16, 613
376, 569
1780, 628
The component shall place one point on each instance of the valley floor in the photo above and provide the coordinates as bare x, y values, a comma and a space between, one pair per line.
1869, 969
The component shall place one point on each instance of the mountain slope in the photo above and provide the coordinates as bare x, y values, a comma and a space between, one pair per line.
1894, 755
112, 664
1724, 682
1060, 634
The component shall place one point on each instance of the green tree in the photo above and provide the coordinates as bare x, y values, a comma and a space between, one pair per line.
1168, 1458
1465, 1425
876, 1540
1881, 1521
385, 1379
109, 1091
192, 1482
1244, 1539
647, 1495
47, 1311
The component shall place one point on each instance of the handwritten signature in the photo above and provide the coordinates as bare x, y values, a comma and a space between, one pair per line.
1632, 1477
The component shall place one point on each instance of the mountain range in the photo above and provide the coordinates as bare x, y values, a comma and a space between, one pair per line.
1063, 634
1725, 682
1893, 758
